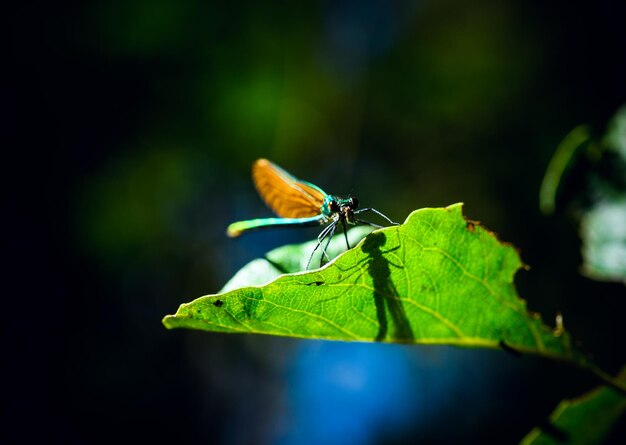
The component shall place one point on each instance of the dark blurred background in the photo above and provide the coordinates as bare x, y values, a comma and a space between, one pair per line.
129, 128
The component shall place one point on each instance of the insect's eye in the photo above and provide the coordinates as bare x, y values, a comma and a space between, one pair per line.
354, 203
334, 207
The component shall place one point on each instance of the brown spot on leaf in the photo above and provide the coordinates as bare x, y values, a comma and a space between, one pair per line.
471, 224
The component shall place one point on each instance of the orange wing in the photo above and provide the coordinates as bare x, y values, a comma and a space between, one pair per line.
285, 195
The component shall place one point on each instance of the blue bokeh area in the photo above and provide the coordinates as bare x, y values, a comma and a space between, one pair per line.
356, 391
363, 394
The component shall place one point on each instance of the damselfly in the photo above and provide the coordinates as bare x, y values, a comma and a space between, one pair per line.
301, 204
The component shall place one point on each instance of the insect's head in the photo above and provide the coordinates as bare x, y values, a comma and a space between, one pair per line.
344, 206
336, 205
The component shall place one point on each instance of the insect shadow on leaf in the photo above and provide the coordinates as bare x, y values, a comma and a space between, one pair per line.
385, 294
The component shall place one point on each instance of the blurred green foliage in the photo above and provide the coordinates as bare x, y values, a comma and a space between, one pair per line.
389, 99
134, 202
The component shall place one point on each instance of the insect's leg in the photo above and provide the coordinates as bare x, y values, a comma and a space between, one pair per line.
329, 234
320, 239
345, 232
370, 209
330, 237
367, 223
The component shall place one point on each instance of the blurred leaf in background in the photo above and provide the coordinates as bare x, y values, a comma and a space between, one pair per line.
599, 204
586, 420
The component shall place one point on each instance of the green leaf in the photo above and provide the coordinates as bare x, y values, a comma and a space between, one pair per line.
436, 279
583, 421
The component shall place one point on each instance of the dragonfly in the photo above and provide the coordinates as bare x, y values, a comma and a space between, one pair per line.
299, 203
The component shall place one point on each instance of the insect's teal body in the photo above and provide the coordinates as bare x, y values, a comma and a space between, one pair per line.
332, 209
235, 229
